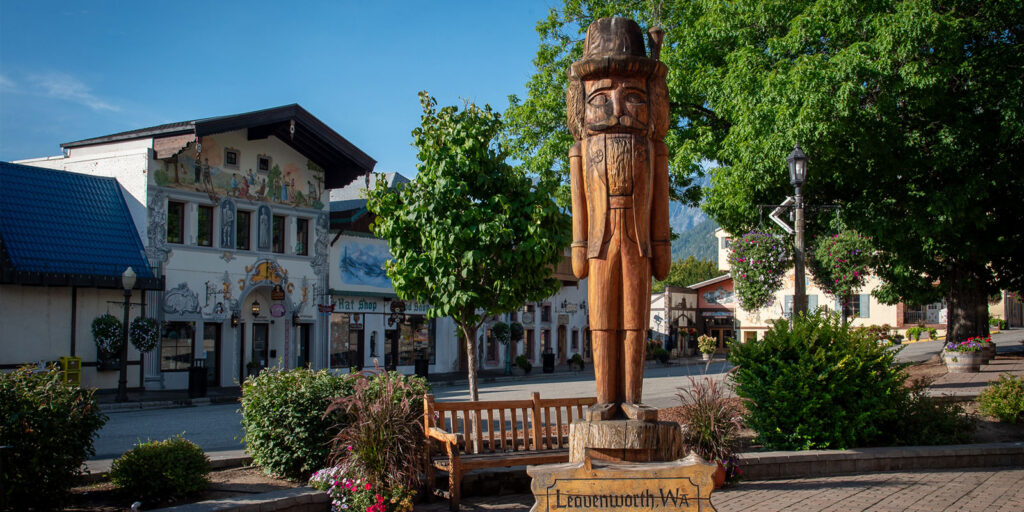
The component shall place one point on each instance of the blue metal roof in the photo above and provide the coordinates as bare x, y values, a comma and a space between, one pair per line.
65, 223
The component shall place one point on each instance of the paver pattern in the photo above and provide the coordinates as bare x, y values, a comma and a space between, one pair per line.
997, 489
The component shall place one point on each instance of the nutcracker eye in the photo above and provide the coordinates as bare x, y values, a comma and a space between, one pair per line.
636, 98
598, 99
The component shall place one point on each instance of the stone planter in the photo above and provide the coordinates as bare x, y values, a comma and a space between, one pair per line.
705, 356
962, 362
988, 352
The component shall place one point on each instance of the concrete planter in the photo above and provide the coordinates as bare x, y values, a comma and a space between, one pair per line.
988, 352
962, 362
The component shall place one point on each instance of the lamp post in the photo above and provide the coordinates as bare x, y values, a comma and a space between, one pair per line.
797, 161
127, 282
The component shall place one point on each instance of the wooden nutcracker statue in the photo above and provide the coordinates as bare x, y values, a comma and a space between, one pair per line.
617, 103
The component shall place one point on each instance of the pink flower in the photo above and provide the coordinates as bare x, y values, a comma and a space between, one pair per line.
367, 486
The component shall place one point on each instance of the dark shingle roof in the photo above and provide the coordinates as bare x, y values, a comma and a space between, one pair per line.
58, 223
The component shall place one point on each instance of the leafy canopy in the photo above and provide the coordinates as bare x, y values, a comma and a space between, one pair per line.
471, 235
683, 273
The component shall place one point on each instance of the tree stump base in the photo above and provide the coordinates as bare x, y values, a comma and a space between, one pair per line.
625, 440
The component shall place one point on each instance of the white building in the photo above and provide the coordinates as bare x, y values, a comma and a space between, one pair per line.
233, 214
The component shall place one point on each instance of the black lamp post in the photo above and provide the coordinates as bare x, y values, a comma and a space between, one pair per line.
797, 161
127, 282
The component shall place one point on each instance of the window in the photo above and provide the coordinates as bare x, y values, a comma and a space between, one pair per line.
749, 336
278, 234
914, 315
575, 340
263, 163
545, 313
545, 340
788, 307
176, 346
205, 233
175, 222
528, 340
302, 237
242, 230
856, 306
231, 158
492, 348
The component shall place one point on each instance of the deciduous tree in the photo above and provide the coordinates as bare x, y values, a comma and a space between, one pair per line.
472, 236
689, 271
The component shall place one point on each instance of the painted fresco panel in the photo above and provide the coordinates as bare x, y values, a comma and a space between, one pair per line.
362, 263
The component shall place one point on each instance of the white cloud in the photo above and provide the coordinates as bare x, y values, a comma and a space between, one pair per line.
6, 84
66, 87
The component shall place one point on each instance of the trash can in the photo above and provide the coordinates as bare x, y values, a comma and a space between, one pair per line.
422, 366
197, 379
549, 362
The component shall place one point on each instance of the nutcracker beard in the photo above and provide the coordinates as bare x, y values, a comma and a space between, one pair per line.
620, 274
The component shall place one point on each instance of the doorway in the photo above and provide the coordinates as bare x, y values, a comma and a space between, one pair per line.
302, 358
561, 345
721, 334
211, 352
260, 347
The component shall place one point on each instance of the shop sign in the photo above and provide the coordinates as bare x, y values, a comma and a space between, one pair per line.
277, 293
356, 306
717, 314
325, 308
277, 310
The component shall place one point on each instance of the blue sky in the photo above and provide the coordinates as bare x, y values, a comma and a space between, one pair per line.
74, 70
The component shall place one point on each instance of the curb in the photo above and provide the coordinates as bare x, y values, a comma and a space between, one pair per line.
817, 463
164, 404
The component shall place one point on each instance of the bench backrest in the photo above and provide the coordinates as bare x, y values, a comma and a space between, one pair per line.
507, 425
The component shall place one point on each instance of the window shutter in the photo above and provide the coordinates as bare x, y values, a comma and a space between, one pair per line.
812, 303
839, 306
865, 305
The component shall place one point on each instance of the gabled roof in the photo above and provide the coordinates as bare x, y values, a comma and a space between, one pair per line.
713, 280
63, 228
348, 204
341, 160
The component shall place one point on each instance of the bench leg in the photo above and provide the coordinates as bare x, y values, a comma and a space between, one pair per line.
454, 484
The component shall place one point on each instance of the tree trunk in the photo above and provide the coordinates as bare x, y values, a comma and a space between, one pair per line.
966, 305
469, 333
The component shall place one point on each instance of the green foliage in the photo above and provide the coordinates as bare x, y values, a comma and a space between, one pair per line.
501, 333
471, 235
1004, 399
914, 333
516, 331
108, 334
161, 469
922, 420
906, 109
50, 427
144, 333
524, 364
819, 385
997, 322
353, 493
286, 430
689, 271
759, 261
712, 422
661, 355
383, 440
839, 264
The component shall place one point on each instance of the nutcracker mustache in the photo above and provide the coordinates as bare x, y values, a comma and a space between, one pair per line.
625, 122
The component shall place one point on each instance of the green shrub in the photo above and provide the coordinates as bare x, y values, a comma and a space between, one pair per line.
286, 430
1004, 399
660, 354
157, 470
524, 364
922, 420
50, 427
819, 385
382, 443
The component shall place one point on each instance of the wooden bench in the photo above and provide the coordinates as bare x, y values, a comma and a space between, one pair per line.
488, 434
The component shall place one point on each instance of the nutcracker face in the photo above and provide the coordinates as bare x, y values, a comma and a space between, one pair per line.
615, 105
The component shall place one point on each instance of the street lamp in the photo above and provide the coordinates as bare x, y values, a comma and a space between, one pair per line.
797, 161
127, 282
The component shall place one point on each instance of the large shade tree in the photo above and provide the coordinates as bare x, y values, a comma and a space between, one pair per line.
472, 236
910, 111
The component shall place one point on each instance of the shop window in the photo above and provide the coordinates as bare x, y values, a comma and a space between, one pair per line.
415, 339
175, 222
302, 237
278, 234
243, 229
205, 229
347, 337
575, 347
176, 344
492, 348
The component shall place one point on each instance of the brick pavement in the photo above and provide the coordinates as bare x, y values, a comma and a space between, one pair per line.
969, 385
999, 489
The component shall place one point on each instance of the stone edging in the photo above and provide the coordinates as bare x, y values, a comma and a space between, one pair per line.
816, 463
300, 499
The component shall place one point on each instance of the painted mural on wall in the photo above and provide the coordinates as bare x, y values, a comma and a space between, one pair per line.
362, 264
720, 296
227, 172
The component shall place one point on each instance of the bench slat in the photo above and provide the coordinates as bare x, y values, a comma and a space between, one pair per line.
504, 440
515, 431
490, 428
558, 431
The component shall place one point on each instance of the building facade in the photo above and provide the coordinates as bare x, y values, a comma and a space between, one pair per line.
234, 216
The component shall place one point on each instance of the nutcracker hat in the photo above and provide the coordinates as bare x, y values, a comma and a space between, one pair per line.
615, 46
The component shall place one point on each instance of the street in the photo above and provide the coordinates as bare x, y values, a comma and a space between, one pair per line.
217, 427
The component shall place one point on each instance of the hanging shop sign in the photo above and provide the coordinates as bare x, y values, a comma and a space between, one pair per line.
277, 310
325, 308
277, 293
717, 314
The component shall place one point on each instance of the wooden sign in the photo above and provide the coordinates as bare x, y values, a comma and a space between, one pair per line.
678, 485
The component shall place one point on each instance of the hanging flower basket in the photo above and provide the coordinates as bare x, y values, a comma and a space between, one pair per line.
108, 334
839, 264
144, 333
759, 262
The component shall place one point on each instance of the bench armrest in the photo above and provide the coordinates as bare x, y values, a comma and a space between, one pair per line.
441, 435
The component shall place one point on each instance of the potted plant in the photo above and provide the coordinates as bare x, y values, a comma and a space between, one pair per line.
576, 362
988, 349
914, 333
523, 364
691, 340
707, 346
962, 357
108, 334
